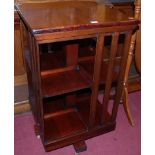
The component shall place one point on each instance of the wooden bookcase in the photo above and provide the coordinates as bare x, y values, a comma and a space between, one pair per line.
68, 62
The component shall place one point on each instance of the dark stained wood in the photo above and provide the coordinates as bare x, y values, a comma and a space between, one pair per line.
80, 146
52, 61
63, 93
53, 105
71, 55
71, 60
96, 78
71, 100
89, 65
108, 82
57, 127
51, 71
64, 82
76, 16
80, 34
83, 106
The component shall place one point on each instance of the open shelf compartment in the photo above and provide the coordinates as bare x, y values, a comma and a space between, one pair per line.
62, 121
64, 82
66, 124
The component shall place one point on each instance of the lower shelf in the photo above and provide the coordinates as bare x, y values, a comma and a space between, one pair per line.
62, 122
66, 124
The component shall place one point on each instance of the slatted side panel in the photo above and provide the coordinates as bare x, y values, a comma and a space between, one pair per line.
109, 75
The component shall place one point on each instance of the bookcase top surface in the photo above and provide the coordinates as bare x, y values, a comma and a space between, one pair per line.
61, 16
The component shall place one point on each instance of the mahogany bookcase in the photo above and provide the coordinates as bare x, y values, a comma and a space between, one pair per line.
65, 78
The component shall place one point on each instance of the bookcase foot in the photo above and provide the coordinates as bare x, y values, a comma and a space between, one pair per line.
80, 147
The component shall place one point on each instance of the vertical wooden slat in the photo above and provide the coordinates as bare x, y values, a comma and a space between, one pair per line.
96, 78
113, 51
119, 88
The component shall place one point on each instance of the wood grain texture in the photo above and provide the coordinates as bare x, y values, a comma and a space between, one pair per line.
108, 82
76, 16
64, 82
96, 78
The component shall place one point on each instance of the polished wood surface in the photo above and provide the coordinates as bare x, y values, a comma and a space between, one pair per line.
72, 81
44, 18
64, 96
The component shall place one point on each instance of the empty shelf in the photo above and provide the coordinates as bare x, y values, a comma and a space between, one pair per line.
66, 124
64, 82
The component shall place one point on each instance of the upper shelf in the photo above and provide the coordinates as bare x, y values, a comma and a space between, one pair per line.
64, 82
65, 16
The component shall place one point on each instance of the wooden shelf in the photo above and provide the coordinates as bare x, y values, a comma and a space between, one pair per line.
62, 121
57, 106
64, 82
66, 124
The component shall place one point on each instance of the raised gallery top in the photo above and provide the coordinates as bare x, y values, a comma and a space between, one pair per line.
70, 15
